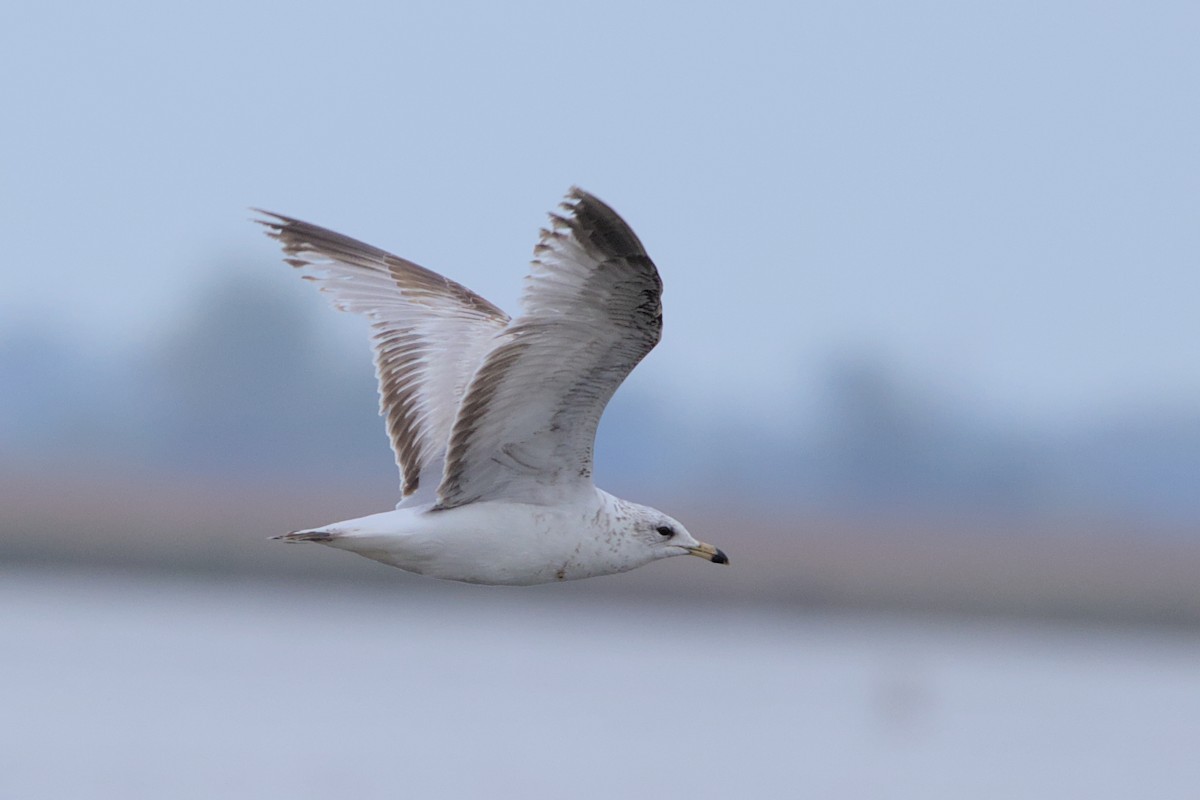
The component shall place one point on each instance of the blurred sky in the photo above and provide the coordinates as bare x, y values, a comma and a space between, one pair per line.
1002, 197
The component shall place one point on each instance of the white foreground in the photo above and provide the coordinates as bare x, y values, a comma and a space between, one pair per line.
123, 686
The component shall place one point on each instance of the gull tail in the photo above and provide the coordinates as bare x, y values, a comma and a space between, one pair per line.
324, 535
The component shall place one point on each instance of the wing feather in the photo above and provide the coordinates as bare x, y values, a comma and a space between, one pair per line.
429, 335
592, 306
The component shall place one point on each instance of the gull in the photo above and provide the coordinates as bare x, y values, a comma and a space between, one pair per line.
493, 420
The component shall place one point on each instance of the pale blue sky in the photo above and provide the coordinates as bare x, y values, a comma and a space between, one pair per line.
1000, 197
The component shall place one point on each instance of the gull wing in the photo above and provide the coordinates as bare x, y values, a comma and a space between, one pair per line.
429, 335
592, 310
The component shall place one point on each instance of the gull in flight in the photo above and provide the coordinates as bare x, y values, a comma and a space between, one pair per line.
493, 419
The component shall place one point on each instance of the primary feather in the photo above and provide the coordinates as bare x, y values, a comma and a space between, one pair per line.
592, 303
428, 332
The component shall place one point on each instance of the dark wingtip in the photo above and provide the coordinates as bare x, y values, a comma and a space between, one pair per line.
262, 212
595, 222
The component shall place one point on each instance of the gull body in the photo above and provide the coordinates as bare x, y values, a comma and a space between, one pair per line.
492, 419
512, 543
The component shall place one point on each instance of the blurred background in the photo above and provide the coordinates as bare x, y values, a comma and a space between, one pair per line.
929, 375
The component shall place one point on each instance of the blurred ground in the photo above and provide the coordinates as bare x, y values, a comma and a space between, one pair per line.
119, 684
1040, 568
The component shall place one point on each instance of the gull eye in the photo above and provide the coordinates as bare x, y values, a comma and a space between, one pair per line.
666, 530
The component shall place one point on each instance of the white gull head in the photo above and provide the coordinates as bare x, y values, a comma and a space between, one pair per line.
650, 534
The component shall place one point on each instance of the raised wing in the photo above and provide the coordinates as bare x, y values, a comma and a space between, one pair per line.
527, 425
429, 335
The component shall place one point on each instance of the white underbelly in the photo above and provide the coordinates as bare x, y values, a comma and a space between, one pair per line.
490, 543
